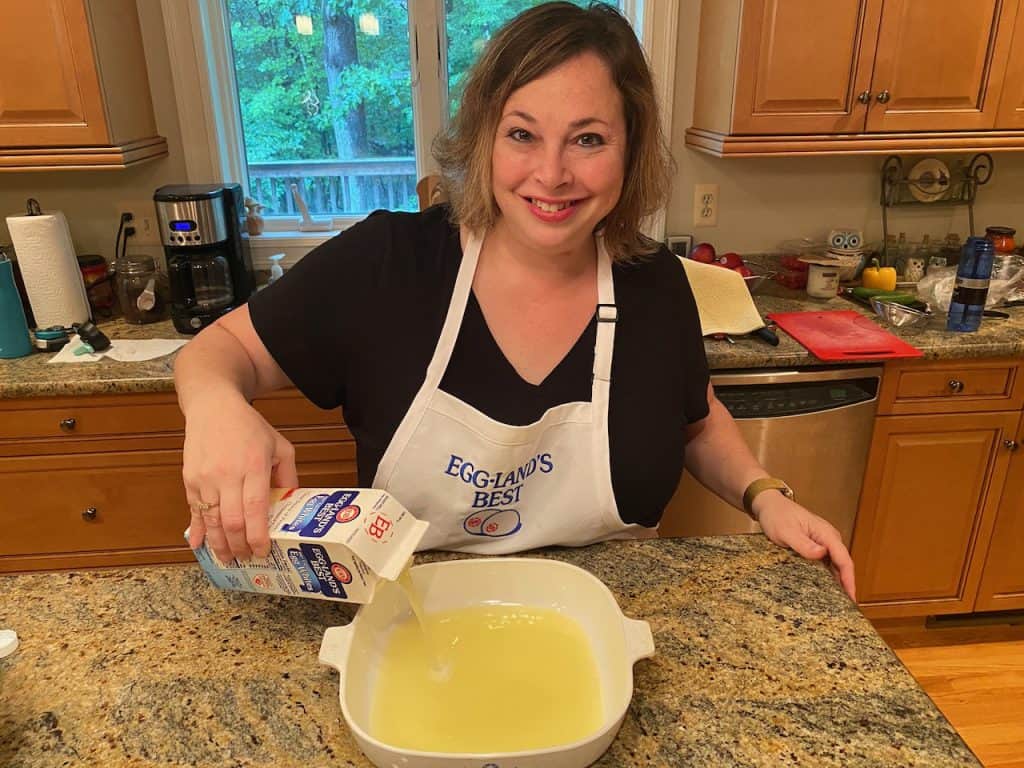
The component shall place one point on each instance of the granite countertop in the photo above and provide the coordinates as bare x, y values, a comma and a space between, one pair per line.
761, 660
995, 338
33, 376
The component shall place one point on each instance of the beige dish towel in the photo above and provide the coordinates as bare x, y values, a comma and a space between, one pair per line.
723, 301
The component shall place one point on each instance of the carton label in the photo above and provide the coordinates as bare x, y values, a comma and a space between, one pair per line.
325, 545
322, 511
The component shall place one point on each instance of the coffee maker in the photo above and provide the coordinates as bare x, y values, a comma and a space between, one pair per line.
209, 266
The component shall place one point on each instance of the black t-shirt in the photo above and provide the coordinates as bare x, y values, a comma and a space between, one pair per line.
356, 321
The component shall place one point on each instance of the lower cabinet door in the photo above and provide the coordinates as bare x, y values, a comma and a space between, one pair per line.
1002, 581
117, 508
926, 512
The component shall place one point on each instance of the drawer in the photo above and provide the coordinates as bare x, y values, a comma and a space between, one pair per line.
954, 386
137, 498
90, 417
67, 420
120, 501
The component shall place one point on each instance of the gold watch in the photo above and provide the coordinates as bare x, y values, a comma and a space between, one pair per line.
764, 484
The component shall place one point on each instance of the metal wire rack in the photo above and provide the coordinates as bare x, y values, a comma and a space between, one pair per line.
959, 187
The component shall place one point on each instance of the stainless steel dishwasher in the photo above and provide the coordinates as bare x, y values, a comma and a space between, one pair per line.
812, 428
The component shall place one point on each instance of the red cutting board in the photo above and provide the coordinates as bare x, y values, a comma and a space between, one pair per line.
843, 335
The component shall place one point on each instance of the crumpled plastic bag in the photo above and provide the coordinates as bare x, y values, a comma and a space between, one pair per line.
937, 286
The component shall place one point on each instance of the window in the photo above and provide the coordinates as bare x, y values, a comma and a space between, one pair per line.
337, 99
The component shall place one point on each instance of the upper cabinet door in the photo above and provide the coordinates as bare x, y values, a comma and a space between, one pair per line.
49, 87
803, 64
1011, 103
936, 62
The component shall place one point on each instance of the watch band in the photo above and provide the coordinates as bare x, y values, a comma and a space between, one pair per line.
764, 484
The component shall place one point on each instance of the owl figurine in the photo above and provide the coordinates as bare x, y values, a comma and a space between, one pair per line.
847, 240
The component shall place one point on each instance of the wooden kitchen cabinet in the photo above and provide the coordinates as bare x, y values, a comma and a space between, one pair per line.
96, 481
1002, 581
791, 77
784, 81
942, 492
74, 91
940, 64
1011, 102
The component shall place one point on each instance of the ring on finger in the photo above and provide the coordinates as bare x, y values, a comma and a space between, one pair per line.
202, 506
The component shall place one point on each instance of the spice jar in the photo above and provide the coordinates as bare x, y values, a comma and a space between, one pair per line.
138, 289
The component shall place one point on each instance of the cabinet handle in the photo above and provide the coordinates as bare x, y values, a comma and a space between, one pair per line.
956, 385
1010, 445
884, 96
89, 513
68, 425
864, 97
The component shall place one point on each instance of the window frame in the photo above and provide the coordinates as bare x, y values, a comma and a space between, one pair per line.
199, 45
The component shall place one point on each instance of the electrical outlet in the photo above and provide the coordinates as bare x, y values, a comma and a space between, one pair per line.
705, 205
147, 231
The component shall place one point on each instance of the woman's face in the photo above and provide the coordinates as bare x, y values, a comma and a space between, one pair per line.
559, 155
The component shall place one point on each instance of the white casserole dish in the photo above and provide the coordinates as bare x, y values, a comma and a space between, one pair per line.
617, 643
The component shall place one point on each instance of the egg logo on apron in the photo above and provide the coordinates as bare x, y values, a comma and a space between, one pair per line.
493, 522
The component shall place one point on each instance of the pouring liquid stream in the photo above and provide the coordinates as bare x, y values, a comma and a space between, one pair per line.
429, 630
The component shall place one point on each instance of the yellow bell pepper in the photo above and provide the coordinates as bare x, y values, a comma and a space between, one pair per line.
876, 276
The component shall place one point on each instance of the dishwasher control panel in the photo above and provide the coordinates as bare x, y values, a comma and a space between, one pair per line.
766, 401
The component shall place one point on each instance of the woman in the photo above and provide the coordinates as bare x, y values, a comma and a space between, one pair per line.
521, 369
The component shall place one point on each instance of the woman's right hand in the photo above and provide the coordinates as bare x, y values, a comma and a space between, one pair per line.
232, 458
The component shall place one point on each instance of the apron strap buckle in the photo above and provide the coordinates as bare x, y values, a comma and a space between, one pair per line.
607, 313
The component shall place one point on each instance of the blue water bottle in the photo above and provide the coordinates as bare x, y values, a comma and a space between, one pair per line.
972, 277
14, 338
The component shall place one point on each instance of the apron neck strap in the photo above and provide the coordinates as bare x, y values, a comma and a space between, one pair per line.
607, 315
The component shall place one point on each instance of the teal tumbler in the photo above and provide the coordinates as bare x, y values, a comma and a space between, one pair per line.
14, 338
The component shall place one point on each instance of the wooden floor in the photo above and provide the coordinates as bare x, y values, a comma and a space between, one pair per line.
975, 676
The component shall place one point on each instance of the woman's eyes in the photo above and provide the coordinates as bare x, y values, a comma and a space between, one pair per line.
584, 140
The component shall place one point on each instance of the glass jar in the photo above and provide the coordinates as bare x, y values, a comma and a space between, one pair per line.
1001, 238
98, 285
139, 290
1006, 263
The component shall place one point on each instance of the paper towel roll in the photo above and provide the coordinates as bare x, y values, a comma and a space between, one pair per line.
49, 268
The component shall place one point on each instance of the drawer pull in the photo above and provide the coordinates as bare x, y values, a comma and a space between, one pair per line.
1010, 445
68, 425
89, 514
956, 385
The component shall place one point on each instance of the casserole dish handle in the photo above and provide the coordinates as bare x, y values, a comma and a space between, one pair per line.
334, 647
639, 640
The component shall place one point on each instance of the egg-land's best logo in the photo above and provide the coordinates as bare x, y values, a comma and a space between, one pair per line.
347, 514
341, 573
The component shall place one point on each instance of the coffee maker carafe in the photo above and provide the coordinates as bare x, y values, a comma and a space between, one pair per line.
207, 249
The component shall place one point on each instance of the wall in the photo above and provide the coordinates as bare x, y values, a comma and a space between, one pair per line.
766, 201
90, 199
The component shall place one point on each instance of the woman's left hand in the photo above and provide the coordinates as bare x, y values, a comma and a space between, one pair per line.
788, 524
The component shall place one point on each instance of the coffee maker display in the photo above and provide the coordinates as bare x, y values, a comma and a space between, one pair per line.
209, 266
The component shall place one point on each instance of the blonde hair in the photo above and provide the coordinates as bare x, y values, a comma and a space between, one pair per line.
530, 45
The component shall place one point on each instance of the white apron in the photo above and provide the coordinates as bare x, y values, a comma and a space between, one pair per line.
495, 488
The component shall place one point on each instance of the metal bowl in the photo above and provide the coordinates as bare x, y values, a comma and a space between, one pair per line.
756, 281
898, 315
